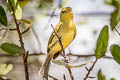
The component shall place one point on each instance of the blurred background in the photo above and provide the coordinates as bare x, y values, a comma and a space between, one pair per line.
89, 16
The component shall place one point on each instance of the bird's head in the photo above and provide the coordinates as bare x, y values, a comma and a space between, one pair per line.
66, 14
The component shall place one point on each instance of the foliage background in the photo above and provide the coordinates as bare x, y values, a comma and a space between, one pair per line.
89, 15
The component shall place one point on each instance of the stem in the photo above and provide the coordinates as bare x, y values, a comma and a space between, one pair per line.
86, 56
60, 42
52, 77
89, 70
17, 26
70, 72
64, 77
62, 48
117, 31
25, 55
71, 55
52, 14
26, 30
12, 29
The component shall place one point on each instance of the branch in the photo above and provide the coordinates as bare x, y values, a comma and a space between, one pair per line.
3, 28
86, 13
117, 31
86, 56
17, 26
60, 42
26, 30
64, 77
25, 55
70, 72
52, 77
13, 29
51, 15
70, 54
62, 48
89, 70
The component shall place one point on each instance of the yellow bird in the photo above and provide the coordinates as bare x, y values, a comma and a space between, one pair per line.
65, 29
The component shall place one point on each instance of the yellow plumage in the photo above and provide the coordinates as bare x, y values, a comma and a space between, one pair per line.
65, 29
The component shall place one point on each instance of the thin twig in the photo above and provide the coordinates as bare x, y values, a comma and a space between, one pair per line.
13, 29
3, 28
72, 55
52, 14
17, 25
21, 43
10, 29
91, 77
86, 14
70, 72
117, 31
86, 68
64, 77
85, 56
62, 48
89, 70
37, 37
26, 30
60, 42
52, 77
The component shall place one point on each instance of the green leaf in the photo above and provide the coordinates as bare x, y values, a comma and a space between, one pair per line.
25, 21
9, 6
3, 17
23, 3
45, 3
5, 68
108, 2
115, 51
12, 49
17, 9
102, 42
77, 66
115, 16
112, 79
101, 76
58, 62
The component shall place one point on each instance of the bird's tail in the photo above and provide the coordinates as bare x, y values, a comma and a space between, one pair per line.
45, 68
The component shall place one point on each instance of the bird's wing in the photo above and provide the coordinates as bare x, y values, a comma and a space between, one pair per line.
57, 28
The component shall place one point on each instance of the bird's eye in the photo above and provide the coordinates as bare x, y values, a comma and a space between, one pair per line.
63, 11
